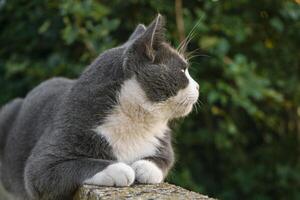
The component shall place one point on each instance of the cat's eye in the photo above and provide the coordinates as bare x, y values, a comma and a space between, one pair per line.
183, 70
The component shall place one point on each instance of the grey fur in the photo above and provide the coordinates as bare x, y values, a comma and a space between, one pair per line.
48, 147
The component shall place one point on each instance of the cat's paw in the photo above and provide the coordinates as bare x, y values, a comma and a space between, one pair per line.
118, 174
147, 172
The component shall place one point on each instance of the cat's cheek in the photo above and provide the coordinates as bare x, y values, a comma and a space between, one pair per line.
118, 174
147, 172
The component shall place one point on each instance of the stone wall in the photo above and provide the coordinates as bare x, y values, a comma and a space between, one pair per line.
137, 192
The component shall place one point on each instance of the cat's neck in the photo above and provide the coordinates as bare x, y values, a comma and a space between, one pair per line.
134, 112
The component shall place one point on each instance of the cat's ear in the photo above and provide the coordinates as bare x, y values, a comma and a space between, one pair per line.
155, 33
140, 29
152, 38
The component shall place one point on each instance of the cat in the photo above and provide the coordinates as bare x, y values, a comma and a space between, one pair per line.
109, 127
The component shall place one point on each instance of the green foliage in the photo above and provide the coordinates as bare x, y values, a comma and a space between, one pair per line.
243, 143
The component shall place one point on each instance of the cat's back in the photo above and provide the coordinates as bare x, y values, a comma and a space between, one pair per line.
42, 103
39, 108
50, 88
35, 117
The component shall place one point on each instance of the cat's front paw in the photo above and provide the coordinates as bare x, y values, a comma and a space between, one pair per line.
118, 174
147, 172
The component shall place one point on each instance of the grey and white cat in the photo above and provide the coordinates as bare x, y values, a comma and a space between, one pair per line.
108, 127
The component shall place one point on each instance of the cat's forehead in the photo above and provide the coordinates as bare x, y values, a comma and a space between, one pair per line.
170, 53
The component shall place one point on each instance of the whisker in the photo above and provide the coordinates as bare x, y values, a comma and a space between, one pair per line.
194, 52
187, 54
193, 70
183, 44
196, 108
200, 102
189, 35
195, 56
183, 48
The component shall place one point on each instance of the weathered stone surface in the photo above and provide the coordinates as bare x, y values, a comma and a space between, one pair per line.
137, 192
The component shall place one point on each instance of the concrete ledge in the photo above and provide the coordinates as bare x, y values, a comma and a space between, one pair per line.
137, 192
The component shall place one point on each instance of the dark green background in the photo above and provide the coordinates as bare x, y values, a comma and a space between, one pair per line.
243, 142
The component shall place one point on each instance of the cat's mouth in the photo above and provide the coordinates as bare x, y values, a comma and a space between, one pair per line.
190, 101
183, 103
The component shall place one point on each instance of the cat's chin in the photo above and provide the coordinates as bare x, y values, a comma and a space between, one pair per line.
188, 110
183, 112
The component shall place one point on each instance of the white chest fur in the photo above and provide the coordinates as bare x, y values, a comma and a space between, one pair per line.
132, 143
133, 128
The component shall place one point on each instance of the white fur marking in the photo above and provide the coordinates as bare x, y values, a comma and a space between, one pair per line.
147, 172
118, 174
134, 126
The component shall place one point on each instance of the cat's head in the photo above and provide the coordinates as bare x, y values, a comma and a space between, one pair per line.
157, 76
